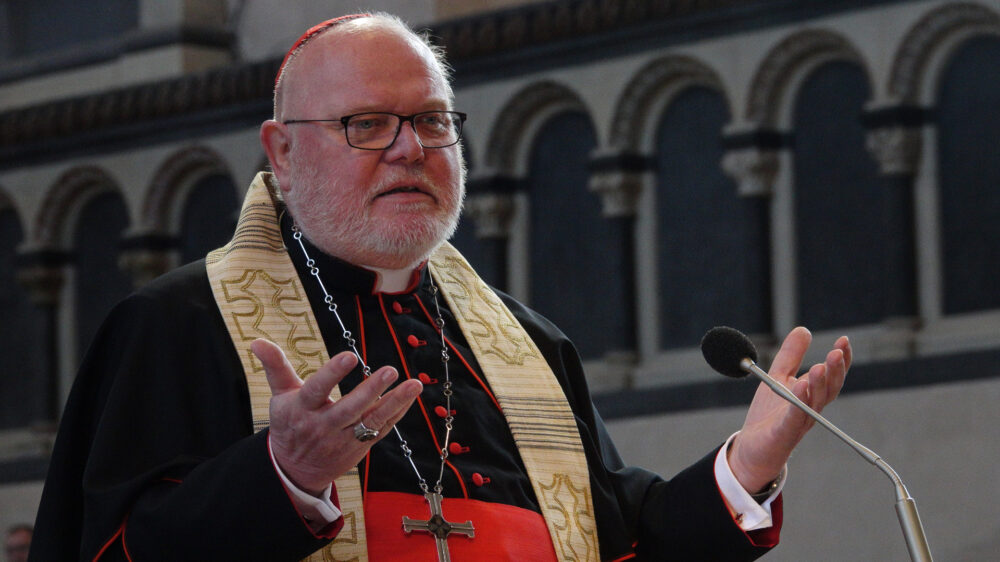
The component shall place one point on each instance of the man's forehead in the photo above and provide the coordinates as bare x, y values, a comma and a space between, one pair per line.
310, 33
359, 59
362, 40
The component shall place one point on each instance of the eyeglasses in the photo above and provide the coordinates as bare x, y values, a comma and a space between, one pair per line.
378, 130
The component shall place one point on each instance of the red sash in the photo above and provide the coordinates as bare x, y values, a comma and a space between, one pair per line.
503, 532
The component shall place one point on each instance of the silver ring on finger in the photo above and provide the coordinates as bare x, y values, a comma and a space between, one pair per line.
364, 433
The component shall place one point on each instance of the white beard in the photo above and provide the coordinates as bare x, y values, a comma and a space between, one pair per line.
338, 221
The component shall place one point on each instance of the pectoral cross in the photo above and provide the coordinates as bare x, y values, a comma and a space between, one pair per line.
438, 527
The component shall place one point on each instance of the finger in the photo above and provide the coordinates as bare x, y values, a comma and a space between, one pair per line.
817, 377
836, 368
844, 345
280, 375
786, 363
800, 388
349, 409
315, 392
393, 406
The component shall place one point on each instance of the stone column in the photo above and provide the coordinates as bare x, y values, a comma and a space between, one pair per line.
617, 177
894, 140
490, 206
147, 256
42, 273
753, 159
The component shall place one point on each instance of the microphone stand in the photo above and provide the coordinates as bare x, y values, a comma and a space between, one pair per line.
906, 508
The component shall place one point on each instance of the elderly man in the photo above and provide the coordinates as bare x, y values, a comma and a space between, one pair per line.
451, 422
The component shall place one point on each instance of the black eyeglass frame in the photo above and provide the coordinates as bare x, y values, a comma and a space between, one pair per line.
402, 119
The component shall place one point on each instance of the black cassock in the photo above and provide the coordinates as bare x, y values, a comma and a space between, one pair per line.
157, 437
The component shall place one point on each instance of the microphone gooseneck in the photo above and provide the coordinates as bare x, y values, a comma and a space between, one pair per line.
731, 353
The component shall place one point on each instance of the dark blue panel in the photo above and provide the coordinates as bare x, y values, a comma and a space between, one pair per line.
22, 325
100, 283
839, 203
209, 218
969, 166
578, 277
712, 245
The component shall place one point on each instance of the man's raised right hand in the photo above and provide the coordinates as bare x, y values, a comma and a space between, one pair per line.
312, 437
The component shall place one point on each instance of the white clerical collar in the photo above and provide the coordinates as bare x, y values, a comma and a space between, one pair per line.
393, 280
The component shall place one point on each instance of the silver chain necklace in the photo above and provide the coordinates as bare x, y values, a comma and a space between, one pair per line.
366, 369
436, 524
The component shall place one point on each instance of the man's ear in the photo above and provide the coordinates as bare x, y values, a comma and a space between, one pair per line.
277, 144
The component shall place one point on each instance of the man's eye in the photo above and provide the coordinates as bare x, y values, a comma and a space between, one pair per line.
370, 122
433, 121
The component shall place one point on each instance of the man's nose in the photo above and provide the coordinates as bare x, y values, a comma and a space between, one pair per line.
407, 145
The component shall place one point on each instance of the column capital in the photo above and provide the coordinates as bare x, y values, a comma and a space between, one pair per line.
895, 136
751, 158
617, 177
753, 169
147, 256
491, 213
42, 273
896, 149
490, 203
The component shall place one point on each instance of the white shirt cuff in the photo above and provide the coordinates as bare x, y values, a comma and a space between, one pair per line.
318, 512
749, 514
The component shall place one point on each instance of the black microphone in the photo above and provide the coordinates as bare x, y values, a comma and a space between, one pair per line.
730, 352
724, 348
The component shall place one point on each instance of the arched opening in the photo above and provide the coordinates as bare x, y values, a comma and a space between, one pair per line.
968, 124
575, 256
839, 202
712, 245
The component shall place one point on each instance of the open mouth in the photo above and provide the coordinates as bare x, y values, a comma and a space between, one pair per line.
404, 189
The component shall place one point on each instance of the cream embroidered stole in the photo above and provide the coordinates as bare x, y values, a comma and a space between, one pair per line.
260, 296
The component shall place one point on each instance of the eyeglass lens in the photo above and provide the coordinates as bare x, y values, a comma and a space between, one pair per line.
379, 130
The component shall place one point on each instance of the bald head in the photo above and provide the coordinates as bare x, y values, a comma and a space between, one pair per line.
386, 208
330, 33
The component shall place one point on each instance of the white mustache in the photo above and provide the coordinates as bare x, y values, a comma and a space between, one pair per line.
397, 177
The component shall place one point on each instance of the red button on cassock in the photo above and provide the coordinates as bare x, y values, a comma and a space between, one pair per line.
443, 413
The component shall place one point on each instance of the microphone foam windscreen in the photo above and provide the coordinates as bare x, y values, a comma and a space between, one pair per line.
724, 348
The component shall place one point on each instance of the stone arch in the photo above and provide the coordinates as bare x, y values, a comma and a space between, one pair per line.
786, 65
519, 119
55, 219
171, 182
645, 96
927, 45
